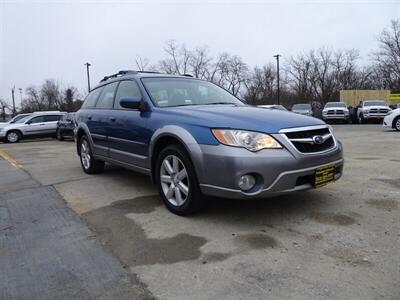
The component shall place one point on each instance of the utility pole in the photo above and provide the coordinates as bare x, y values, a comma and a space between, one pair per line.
88, 78
13, 99
277, 75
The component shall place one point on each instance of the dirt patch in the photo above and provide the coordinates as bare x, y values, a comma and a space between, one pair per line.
347, 255
215, 256
393, 182
332, 218
384, 204
367, 158
256, 241
128, 241
145, 204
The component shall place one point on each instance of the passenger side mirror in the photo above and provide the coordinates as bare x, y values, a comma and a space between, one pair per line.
130, 102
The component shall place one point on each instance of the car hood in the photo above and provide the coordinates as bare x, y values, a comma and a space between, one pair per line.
377, 106
242, 117
335, 108
13, 126
4, 124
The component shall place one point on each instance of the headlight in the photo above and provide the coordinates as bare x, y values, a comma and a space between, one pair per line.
253, 141
388, 113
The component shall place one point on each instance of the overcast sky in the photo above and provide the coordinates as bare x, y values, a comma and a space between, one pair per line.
40, 40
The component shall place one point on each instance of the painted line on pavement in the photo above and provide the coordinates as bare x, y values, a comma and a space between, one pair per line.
11, 160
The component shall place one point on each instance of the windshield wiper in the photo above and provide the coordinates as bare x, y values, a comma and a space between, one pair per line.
215, 103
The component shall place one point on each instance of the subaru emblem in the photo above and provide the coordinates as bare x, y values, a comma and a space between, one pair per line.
318, 139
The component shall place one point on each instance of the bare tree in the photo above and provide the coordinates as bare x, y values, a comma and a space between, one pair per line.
142, 63
387, 58
260, 85
3, 106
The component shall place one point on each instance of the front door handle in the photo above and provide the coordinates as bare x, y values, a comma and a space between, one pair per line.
112, 119
89, 117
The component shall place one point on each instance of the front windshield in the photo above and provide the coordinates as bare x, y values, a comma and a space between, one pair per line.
301, 106
22, 120
167, 92
335, 104
373, 103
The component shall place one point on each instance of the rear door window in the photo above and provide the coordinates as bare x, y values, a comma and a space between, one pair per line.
52, 118
39, 119
126, 88
106, 99
91, 99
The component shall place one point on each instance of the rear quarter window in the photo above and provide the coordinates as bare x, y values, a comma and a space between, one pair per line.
91, 99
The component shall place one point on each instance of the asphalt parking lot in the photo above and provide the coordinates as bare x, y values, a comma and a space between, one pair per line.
65, 234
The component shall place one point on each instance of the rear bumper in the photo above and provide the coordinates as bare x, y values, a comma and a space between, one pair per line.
278, 171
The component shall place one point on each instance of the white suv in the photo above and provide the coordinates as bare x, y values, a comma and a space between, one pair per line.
392, 119
38, 124
372, 110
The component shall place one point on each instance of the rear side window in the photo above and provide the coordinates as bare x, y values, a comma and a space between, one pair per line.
91, 99
106, 99
126, 88
52, 118
38, 119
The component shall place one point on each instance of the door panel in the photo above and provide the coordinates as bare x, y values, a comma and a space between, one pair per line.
128, 138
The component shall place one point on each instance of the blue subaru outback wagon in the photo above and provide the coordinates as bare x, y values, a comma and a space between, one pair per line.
195, 139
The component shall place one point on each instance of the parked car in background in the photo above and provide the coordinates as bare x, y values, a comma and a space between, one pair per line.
38, 124
66, 126
273, 106
194, 138
302, 109
335, 111
13, 120
392, 119
372, 110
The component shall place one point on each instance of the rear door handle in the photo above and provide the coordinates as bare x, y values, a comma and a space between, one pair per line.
112, 119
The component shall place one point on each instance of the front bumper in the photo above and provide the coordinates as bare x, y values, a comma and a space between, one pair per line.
279, 171
374, 116
335, 117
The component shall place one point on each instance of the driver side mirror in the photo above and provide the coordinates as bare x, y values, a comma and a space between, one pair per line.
29, 122
130, 102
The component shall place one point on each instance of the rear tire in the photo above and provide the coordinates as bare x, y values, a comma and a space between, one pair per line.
89, 164
396, 123
13, 136
177, 182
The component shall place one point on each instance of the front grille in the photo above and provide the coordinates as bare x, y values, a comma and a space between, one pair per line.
306, 145
340, 112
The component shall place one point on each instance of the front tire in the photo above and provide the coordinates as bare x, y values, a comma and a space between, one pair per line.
13, 136
177, 182
89, 164
396, 123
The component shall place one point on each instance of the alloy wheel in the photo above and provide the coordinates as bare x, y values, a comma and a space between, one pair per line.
174, 180
12, 137
85, 154
397, 125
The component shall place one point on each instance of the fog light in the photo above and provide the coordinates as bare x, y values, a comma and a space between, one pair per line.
246, 182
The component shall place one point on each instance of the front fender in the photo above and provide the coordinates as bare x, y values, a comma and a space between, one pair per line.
187, 140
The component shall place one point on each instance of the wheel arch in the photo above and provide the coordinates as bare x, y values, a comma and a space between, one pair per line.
17, 130
82, 130
174, 135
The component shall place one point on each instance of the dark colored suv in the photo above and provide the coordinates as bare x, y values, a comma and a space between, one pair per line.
66, 126
194, 138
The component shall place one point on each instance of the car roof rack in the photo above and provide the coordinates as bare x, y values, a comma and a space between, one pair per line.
124, 72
